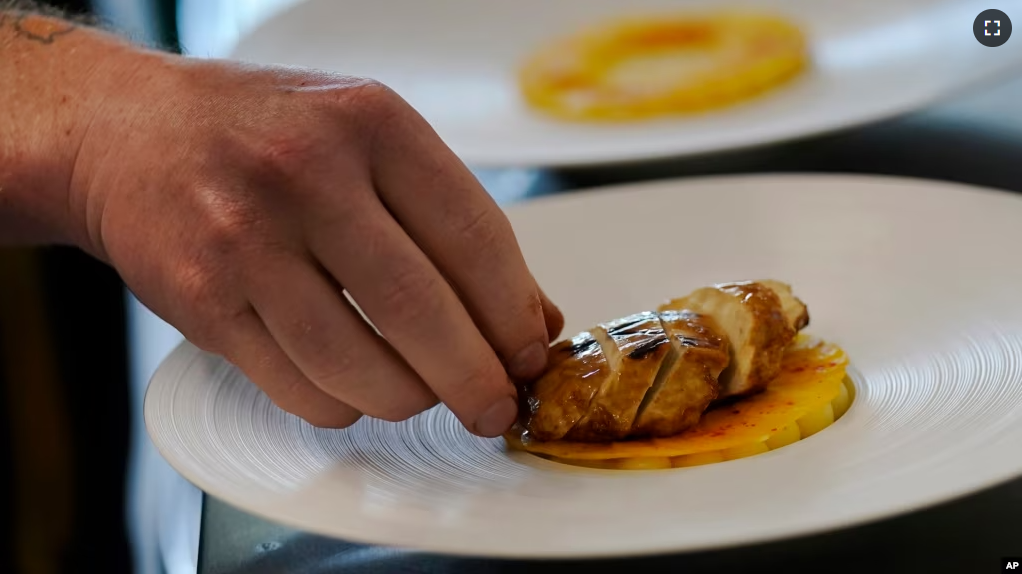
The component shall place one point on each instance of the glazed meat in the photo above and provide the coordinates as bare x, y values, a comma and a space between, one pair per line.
795, 311
635, 348
576, 370
687, 381
649, 374
655, 373
760, 320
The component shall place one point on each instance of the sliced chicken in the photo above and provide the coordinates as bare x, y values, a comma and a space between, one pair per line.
752, 315
554, 403
795, 310
635, 347
654, 374
687, 381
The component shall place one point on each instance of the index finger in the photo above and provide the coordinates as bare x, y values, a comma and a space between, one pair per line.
414, 308
459, 226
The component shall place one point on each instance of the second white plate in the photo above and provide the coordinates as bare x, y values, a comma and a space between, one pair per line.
455, 61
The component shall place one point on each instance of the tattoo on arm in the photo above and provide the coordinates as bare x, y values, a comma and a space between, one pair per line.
35, 29
34, 23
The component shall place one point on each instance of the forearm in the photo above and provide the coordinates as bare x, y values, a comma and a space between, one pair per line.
54, 75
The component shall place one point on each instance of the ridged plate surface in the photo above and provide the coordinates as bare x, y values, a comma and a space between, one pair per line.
918, 281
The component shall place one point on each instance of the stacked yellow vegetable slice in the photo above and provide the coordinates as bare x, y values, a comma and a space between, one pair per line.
641, 67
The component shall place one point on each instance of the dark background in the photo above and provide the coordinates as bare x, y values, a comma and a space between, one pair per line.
83, 307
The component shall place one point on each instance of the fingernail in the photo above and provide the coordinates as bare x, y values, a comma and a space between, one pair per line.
498, 418
529, 362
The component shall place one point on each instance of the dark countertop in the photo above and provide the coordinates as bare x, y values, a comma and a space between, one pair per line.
975, 139
963, 537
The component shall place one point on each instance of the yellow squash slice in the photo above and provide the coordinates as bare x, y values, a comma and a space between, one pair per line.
637, 68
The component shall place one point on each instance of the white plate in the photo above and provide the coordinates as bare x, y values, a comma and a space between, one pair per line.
919, 281
455, 61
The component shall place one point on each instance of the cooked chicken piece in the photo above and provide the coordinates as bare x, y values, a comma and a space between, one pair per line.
635, 347
795, 310
752, 315
552, 404
653, 374
687, 382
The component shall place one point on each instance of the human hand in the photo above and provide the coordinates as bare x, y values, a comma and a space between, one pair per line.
237, 202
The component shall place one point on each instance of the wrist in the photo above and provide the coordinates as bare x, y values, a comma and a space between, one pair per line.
55, 80
119, 99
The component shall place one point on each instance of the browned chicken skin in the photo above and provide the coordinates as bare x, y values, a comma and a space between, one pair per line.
760, 319
649, 374
654, 374
635, 347
794, 309
687, 383
551, 405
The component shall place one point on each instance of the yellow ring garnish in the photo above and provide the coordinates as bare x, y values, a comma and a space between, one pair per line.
637, 68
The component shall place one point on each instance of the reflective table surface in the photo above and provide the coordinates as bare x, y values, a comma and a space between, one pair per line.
965, 537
